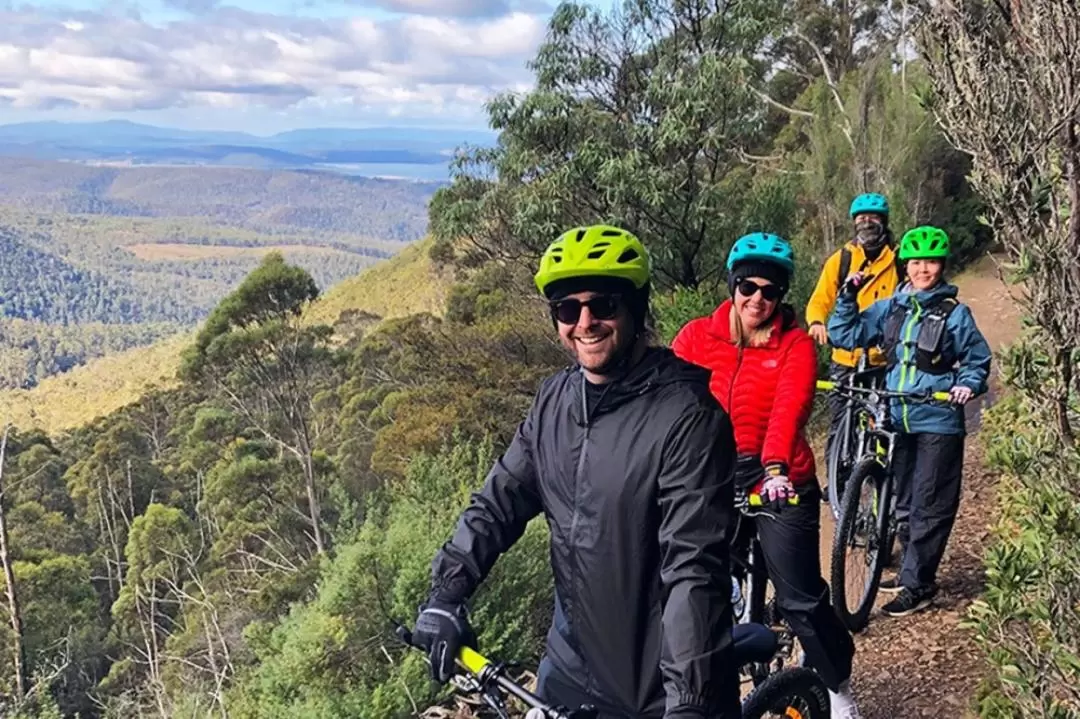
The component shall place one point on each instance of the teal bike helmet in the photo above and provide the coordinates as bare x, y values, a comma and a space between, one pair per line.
870, 202
763, 247
761, 254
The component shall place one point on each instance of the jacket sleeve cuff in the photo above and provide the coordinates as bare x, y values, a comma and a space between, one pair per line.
776, 469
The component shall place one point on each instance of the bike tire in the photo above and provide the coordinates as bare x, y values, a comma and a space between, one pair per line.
795, 693
867, 470
837, 470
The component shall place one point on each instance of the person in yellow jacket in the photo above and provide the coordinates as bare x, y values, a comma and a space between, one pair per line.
870, 252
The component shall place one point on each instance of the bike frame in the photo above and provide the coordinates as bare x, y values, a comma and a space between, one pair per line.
879, 441
756, 580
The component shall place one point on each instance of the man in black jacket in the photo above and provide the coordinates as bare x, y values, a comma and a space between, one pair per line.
630, 458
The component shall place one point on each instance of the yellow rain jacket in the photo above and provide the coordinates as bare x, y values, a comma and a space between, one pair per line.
884, 277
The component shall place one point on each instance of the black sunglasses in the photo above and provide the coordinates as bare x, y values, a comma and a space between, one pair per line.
601, 307
770, 293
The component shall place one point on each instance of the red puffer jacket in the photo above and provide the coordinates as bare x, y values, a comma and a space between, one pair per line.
767, 390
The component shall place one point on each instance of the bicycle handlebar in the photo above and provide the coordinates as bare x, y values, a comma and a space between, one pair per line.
829, 386
743, 501
487, 672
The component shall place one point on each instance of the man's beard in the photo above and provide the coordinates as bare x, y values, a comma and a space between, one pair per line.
617, 363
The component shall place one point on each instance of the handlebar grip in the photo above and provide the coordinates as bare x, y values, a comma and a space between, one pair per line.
825, 385
757, 501
472, 660
941, 396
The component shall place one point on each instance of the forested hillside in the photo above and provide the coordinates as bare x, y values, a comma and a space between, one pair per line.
406, 284
263, 200
236, 544
91, 284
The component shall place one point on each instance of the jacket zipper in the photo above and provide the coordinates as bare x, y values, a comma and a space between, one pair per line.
576, 514
906, 367
731, 387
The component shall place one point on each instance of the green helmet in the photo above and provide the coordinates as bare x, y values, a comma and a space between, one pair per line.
924, 243
596, 251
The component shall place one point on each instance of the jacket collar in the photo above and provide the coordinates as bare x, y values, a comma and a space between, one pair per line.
942, 290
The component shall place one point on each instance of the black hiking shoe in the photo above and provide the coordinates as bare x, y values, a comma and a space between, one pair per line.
891, 585
908, 602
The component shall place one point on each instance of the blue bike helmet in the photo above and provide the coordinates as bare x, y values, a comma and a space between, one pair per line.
763, 247
870, 202
761, 254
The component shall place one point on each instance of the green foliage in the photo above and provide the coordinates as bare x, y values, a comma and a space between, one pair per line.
336, 657
275, 292
894, 148
636, 120
236, 544
672, 310
1025, 620
33, 350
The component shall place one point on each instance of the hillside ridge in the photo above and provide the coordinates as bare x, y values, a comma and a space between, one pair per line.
406, 283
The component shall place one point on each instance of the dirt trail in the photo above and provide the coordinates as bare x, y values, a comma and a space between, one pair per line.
927, 665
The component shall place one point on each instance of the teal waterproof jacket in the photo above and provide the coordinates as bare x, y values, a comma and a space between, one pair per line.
902, 316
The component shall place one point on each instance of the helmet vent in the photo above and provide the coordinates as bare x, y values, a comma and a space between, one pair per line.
596, 254
628, 256
611, 233
580, 235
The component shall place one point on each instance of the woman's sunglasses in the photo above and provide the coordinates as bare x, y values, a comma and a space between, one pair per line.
601, 307
770, 293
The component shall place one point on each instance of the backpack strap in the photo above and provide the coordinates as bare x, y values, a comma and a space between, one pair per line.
845, 267
943, 308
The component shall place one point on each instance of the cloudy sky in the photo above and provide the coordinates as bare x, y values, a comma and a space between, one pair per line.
265, 65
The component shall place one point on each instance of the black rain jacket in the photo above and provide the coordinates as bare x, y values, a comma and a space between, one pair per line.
638, 498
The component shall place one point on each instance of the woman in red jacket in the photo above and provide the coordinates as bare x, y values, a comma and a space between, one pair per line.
764, 368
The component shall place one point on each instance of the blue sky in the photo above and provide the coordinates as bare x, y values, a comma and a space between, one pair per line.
265, 65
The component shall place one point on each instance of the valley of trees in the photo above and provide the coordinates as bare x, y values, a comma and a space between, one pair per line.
70, 290
238, 545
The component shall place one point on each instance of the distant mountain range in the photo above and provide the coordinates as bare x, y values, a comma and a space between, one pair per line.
410, 152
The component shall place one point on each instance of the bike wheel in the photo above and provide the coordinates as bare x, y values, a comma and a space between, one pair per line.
795, 693
859, 550
839, 462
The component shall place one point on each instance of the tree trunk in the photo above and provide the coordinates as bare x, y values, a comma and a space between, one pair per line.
313, 502
9, 579
1065, 372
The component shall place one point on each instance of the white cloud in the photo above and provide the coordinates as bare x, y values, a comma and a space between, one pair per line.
444, 8
228, 58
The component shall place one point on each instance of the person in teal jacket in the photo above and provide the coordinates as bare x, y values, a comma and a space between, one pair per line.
931, 344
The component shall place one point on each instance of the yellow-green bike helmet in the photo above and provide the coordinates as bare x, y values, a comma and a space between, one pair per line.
596, 251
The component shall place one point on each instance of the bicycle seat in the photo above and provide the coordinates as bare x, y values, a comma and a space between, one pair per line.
754, 643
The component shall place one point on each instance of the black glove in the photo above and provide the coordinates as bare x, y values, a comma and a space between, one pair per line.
443, 629
748, 471
851, 286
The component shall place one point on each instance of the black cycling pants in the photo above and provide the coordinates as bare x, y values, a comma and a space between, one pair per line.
790, 540
928, 470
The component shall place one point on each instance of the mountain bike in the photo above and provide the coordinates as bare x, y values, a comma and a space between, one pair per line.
867, 519
849, 437
750, 581
794, 693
